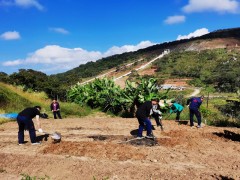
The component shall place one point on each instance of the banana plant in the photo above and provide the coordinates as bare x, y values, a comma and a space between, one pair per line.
104, 93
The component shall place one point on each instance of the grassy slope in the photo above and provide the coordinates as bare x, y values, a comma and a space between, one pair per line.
14, 99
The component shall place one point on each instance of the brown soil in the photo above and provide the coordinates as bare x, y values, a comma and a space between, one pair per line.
177, 82
105, 148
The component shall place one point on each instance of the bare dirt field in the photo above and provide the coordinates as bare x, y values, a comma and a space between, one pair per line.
101, 148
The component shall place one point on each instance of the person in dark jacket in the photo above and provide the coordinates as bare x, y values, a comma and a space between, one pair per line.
24, 120
194, 104
142, 114
55, 108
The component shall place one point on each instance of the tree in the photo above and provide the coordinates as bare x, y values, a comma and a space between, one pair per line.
4, 77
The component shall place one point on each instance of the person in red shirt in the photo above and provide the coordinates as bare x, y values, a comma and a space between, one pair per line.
55, 108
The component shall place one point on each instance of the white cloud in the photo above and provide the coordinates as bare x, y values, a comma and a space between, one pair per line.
13, 63
10, 35
54, 58
175, 19
59, 30
198, 32
127, 48
22, 3
222, 6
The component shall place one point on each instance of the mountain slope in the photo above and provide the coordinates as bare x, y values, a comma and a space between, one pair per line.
227, 38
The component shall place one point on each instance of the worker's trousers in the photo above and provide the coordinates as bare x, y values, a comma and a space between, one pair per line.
142, 123
25, 122
198, 116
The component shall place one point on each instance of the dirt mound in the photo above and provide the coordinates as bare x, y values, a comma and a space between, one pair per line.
181, 137
96, 150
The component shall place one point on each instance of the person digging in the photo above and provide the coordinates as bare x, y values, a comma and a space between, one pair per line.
142, 114
176, 108
194, 104
157, 115
24, 120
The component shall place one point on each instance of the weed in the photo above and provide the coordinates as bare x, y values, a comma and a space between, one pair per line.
105, 178
27, 177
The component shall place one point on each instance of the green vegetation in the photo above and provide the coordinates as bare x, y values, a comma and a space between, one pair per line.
105, 178
218, 68
3, 120
104, 94
14, 99
197, 65
11, 101
27, 177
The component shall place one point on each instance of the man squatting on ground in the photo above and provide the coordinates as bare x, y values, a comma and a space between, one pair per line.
24, 120
142, 114
194, 105
157, 115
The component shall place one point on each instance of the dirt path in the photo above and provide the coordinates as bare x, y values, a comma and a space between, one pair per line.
99, 148
195, 93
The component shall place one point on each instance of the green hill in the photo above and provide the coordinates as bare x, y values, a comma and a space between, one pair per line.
230, 38
14, 99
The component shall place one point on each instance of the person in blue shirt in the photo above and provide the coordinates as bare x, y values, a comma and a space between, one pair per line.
194, 104
176, 108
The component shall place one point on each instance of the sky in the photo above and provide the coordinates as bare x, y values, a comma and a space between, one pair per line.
54, 36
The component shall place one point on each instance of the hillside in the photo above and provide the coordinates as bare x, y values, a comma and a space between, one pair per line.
14, 99
214, 51
227, 38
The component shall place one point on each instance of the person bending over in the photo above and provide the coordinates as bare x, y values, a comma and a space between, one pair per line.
24, 120
157, 115
142, 114
194, 104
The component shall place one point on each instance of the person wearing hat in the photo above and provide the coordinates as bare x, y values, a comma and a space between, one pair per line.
194, 104
24, 120
176, 108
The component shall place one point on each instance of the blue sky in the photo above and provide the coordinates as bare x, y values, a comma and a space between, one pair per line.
54, 36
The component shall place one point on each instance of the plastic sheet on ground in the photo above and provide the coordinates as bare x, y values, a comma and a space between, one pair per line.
9, 115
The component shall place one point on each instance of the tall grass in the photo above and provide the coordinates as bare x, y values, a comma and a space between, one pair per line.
11, 101
14, 99
3, 120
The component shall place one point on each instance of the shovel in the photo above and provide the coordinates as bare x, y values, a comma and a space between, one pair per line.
56, 136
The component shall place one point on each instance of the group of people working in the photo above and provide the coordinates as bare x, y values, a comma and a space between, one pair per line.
152, 109
144, 111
